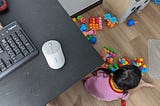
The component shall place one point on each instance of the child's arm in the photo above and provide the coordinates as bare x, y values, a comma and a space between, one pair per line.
141, 84
145, 84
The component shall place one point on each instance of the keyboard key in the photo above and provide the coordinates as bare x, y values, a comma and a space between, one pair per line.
3, 41
29, 47
11, 53
1, 50
14, 37
21, 36
22, 48
17, 58
13, 45
8, 48
8, 63
25, 52
19, 43
2, 66
16, 50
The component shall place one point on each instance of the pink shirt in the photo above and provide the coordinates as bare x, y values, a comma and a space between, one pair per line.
100, 87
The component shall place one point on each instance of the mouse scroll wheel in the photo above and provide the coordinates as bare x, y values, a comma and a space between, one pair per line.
49, 44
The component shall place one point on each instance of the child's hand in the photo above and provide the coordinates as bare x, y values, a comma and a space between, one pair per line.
145, 84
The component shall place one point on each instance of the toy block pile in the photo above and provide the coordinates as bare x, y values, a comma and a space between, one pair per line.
89, 34
124, 61
139, 62
108, 54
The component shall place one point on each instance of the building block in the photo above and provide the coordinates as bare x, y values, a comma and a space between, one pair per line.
92, 39
156, 1
95, 23
124, 61
83, 27
110, 20
113, 67
139, 62
90, 32
108, 54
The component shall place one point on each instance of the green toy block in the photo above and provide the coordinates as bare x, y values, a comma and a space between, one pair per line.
110, 67
115, 65
79, 17
89, 37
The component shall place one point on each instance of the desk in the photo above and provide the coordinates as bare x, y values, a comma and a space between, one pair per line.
34, 84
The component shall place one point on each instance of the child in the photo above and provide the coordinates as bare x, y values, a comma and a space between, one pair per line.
107, 87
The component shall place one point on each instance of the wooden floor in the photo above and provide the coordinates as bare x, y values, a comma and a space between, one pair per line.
129, 42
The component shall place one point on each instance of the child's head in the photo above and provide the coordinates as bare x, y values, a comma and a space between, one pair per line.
127, 77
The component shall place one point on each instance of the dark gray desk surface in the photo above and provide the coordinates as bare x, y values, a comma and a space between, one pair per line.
34, 84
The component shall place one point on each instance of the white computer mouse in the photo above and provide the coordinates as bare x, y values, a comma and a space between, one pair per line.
53, 53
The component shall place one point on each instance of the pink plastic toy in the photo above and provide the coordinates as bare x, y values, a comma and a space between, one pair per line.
83, 20
90, 32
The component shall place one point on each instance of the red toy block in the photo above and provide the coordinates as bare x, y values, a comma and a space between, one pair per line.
123, 103
95, 23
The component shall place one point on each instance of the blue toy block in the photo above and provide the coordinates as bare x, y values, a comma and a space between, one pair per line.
156, 1
113, 19
145, 70
130, 22
133, 63
122, 61
107, 16
113, 69
93, 40
83, 27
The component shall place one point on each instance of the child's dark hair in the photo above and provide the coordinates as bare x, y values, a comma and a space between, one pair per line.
126, 77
